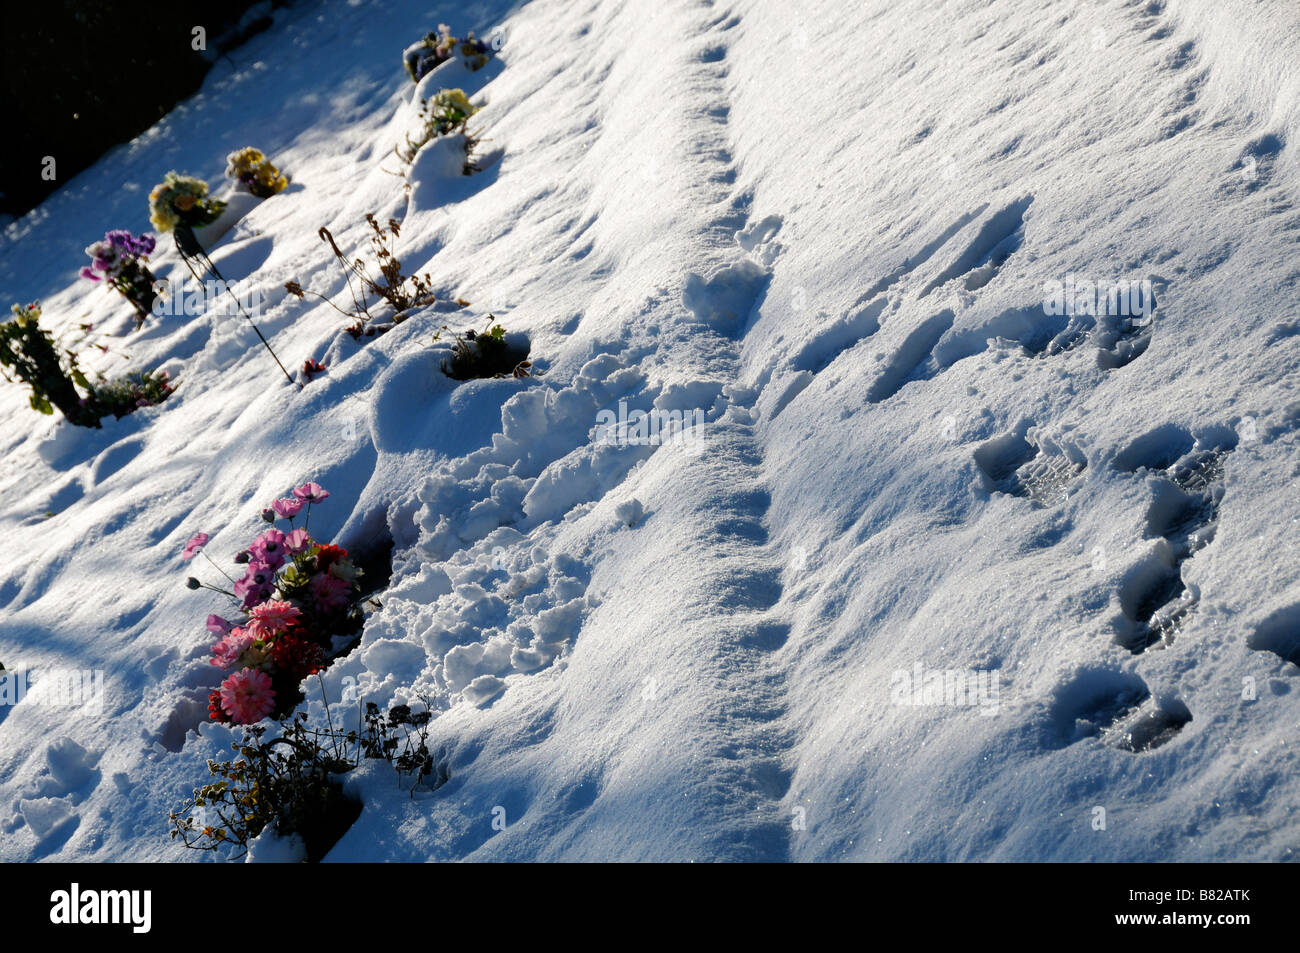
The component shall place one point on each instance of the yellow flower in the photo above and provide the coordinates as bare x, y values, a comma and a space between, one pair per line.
250, 163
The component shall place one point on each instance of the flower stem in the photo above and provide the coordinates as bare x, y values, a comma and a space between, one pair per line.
216, 567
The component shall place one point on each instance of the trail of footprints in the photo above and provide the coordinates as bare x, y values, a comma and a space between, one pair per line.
933, 345
1156, 603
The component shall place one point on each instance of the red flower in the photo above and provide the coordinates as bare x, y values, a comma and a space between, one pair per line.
327, 555
215, 711
297, 657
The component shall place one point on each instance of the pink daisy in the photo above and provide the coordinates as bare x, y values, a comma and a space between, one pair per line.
196, 543
288, 507
257, 584
247, 696
269, 548
311, 492
297, 541
272, 617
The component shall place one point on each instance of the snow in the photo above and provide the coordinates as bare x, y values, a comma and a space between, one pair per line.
828, 227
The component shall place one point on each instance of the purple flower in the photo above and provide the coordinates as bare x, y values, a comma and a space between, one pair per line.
288, 507
219, 626
117, 253
260, 574
255, 588
88, 273
311, 493
196, 543
268, 548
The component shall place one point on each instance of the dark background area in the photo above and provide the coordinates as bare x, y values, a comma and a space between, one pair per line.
80, 77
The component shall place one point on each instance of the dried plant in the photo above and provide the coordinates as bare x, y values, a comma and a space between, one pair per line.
403, 292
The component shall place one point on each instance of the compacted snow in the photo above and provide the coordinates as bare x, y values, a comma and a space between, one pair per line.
939, 572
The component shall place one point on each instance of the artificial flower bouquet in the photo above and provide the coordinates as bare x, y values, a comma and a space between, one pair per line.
182, 199
120, 260
422, 57
56, 380
447, 112
295, 597
255, 173
122, 395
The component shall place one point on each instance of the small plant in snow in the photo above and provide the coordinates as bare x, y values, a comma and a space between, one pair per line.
120, 260
255, 173
56, 380
483, 354
287, 780
446, 113
295, 597
403, 292
182, 199
291, 780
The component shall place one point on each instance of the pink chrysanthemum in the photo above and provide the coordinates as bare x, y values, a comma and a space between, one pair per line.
227, 652
247, 696
272, 617
196, 543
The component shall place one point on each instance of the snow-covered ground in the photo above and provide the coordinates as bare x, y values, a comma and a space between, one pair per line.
830, 228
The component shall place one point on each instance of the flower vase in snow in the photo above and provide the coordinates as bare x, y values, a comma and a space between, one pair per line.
120, 261
424, 56
296, 596
253, 172
182, 199
444, 114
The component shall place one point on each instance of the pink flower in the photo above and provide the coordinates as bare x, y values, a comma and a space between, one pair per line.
256, 586
86, 272
217, 625
269, 548
196, 543
311, 493
329, 592
288, 508
247, 696
272, 617
227, 652
297, 541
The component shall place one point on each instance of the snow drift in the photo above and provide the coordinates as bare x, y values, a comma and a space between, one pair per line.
828, 227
